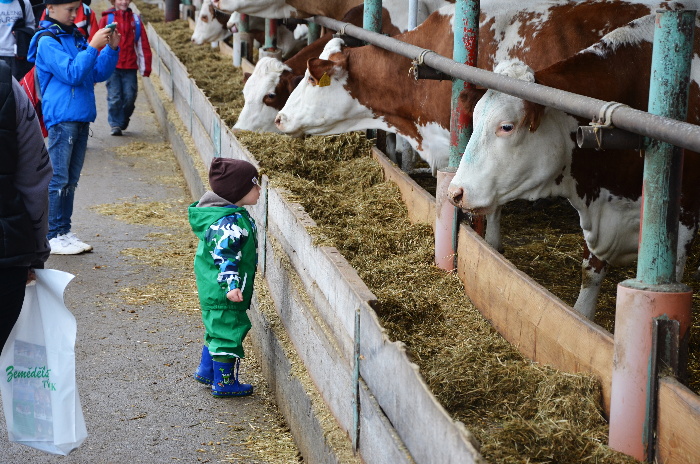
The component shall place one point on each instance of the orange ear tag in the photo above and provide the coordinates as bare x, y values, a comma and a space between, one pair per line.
325, 80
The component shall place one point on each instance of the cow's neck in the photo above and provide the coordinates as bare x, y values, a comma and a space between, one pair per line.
403, 103
335, 9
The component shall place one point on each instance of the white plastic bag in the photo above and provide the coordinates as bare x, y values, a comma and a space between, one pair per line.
39, 392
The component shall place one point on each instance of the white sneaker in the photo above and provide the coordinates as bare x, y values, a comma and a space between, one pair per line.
61, 245
72, 238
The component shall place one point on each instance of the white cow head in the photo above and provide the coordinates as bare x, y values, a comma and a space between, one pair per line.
260, 93
271, 9
517, 150
320, 104
207, 28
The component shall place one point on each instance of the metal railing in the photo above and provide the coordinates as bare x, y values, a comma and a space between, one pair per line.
678, 133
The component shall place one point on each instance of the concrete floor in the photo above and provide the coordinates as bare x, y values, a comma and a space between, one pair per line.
134, 363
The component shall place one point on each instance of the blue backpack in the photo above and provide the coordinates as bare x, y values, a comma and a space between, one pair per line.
137, 24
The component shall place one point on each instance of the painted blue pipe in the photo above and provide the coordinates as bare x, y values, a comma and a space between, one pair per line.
372, 16
663, 163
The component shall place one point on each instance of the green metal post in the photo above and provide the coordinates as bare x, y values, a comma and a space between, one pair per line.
244, 23
466, 39
270, 34
654, 294
663, 163
246, 39
314, 33
372, 16
372, 21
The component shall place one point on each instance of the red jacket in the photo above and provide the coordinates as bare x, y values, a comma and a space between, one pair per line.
85, 20
131, 55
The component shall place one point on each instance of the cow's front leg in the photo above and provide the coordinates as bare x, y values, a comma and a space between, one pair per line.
593, 271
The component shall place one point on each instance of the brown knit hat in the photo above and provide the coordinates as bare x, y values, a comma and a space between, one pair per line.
232, 179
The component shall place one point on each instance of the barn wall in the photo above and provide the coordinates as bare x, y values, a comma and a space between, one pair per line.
317, 296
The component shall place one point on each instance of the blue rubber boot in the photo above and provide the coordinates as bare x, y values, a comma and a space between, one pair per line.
205, 371
226, 382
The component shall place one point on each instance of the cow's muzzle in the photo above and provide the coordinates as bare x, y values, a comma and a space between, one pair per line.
456, 196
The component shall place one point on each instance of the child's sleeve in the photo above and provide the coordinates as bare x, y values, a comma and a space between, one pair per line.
94, 27
69, 70
228, 238
106, 62
143, 51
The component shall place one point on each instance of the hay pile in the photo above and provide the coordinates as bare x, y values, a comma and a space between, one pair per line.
213, 72
520, 411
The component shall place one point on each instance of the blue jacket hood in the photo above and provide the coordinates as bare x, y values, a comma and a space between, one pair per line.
45, 25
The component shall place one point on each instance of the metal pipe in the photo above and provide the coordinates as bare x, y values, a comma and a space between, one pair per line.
244, 23
313, 34
681, 134
655, 291
246, 41
372, 16
270, 34
172, 10
372, 21
466, 39
412, 14
426, 72
606, 138
663, 163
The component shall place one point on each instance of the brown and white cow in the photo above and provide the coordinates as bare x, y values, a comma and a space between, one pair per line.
371, 88
266, 90
335, 9
213, 25
520, 150
210, 25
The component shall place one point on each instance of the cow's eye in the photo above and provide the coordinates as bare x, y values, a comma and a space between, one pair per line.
505, 128
311, 80
270, 96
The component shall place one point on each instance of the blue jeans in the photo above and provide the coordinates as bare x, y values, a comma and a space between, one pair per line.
67, 146
122, 87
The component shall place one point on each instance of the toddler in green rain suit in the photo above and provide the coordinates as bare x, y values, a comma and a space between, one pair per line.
224, 267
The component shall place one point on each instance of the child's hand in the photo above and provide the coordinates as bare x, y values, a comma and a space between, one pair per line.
235, 295
101, 38
114, 39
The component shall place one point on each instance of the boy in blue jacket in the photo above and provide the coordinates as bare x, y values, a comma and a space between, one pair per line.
67, 68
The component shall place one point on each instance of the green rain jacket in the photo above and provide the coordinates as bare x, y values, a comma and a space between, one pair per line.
226, 256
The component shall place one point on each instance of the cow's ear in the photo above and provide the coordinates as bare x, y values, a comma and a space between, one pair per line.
246, 76
533, 115
469, 97
296, 80
320, 71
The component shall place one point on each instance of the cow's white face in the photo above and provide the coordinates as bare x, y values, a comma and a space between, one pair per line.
271, 9
505, 160
207, 28
259, 89
321, 105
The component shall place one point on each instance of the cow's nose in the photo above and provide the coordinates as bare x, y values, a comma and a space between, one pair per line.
455, 195
279, 120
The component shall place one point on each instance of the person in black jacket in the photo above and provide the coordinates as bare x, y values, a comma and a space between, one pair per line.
25, 172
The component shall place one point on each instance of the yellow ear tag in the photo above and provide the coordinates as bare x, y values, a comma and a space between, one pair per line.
325, 80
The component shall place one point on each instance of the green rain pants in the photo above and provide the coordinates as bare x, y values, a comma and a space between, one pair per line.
225, 330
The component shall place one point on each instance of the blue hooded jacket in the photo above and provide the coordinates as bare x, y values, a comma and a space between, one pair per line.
67, 70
